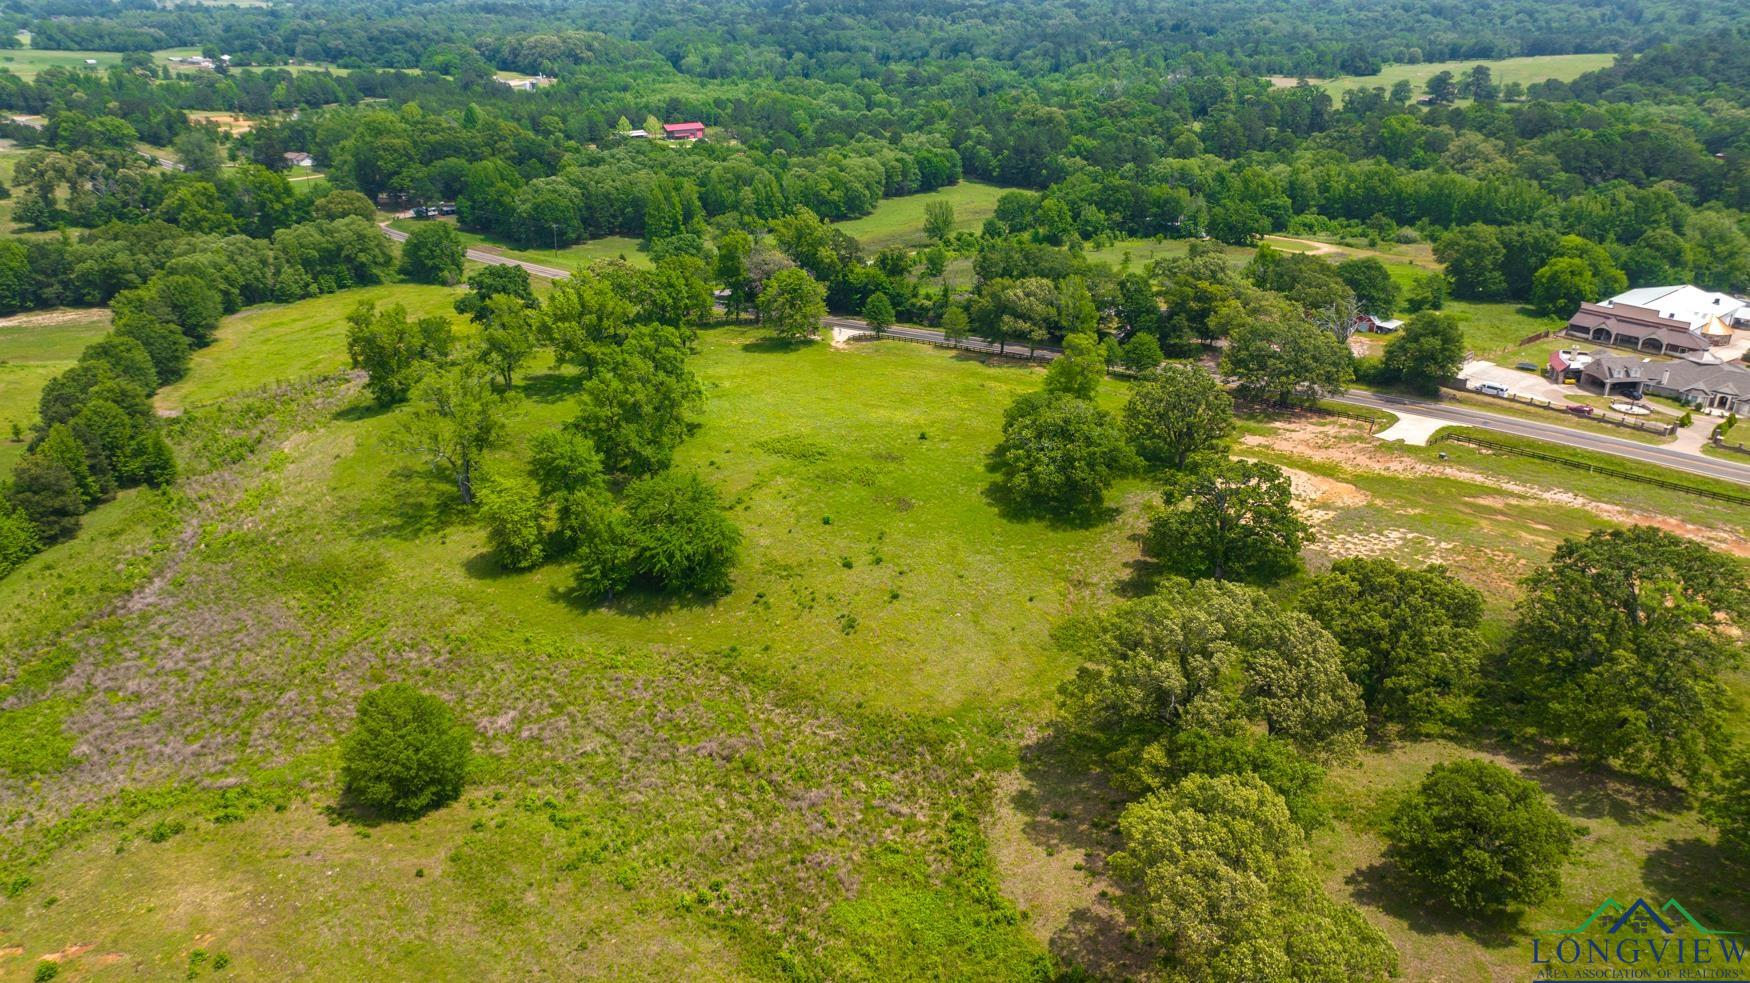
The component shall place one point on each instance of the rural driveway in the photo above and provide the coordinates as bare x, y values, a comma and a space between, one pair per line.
1682, 460
1517, 381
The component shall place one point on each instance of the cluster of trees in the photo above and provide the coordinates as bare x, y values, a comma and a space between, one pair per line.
1553, 273
598, 491
96, 431
167, 287
1219, 706
248, 232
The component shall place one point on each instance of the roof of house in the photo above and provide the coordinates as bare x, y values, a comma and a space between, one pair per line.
1679, 375
1640, 322
694, 127
1691, 305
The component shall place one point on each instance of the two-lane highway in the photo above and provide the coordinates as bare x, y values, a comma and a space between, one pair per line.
490, 259
1557, 434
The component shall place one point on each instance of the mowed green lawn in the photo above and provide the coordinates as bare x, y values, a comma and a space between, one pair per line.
35, 348
1522, 70
900, 221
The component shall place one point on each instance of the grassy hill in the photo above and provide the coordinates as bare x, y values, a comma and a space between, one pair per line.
842, 769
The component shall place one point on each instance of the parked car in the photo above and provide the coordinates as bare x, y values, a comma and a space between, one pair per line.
1579, 410
1492, 389
1526, 367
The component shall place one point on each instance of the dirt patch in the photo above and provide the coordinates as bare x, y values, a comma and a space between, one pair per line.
228, 122
1312, 489
11, 950
70, 952
1336, 443
65, 315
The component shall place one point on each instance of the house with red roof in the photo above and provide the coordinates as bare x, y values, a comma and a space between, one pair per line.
683, 131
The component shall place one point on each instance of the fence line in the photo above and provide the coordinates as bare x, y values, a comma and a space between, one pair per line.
1605, 470
1625, 422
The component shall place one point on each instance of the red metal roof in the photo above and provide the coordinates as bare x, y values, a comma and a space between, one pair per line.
683, 128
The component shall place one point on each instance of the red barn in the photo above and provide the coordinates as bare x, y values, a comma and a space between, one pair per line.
683, 131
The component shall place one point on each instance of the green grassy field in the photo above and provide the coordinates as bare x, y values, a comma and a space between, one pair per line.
1494, 330
1521, 70
281, 342
28, 62
900, 221
35, 348
789, 780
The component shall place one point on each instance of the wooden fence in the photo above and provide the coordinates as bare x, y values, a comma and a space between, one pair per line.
1625, 422
1602, 469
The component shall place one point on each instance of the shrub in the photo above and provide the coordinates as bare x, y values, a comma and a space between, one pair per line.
1477, 836
407, 753
164, 829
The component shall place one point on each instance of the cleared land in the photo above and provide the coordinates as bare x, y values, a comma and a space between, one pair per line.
900, 221
35, 348
1522, 70
787, 779
283, 342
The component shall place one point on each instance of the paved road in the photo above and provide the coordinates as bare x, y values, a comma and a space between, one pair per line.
1554, 433
491, 259
1694, 463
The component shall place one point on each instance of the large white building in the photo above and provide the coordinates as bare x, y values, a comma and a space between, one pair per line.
1691, 305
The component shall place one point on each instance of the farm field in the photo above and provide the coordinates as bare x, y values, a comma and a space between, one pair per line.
1522, 70
900, 221
35, 348
684, 787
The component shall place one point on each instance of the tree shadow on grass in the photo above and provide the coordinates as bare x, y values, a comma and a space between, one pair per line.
551, 387
775, 345
1593, 792
413, 504
360, 411
1014, 510
1704, 878
1071, 807
1386, 886
1142, 575
634, 602
1069, 803
484, 565
993, 360
1098, 942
